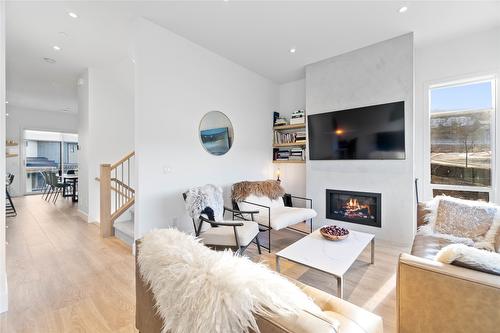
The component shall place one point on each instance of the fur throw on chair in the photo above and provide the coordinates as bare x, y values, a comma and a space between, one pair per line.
198, 290
199, 198
268, 188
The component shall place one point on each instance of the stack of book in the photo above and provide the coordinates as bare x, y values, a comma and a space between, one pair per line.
282, 154
300, 136
280, 121
289, 154
281, 138
298, 117
297, 154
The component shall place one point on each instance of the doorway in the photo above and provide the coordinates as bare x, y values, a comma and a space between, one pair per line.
47, 151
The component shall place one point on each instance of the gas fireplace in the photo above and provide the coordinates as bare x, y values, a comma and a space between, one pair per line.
355, 207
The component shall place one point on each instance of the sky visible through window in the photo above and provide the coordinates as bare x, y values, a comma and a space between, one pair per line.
463, 97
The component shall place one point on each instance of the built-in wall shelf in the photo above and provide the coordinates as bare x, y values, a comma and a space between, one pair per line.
289, 142
11, 155
289, 127
289, 161
11, 144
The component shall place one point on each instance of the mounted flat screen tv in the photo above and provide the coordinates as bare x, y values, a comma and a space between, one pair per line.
374, 132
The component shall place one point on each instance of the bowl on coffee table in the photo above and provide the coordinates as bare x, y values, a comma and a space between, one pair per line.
334, 233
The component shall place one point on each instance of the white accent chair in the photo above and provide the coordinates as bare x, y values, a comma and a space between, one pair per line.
273, 214
236, 235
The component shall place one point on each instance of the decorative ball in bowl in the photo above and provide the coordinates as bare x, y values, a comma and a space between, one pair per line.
333, 232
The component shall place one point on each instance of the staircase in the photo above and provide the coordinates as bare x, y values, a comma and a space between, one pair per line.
117, 196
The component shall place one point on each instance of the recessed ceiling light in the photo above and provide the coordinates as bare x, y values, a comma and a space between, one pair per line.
403, 9
57, 48
73, 15
6, 102
293, 50
6, 114
49, 60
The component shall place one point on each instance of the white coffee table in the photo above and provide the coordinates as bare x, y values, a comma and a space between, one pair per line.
332, 257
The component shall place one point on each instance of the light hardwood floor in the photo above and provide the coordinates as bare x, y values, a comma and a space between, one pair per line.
64, 278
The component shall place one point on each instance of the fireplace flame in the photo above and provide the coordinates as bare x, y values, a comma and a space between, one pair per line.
353, 205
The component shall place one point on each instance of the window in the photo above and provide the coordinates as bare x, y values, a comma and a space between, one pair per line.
461, 138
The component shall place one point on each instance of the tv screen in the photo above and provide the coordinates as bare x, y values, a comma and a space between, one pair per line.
374, 132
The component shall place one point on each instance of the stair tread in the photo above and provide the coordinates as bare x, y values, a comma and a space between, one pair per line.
127, 227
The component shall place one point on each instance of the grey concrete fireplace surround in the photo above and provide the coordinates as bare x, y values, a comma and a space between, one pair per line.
376, 74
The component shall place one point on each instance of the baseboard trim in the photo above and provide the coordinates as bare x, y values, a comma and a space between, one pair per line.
83, 215
4, 294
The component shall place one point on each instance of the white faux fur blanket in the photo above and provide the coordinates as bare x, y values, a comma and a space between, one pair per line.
198, 290
198, 198
471, 257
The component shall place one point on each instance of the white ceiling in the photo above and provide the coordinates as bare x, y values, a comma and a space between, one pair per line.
257, 35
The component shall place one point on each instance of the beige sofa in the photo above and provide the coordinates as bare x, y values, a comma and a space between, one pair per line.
437, 297
352, 318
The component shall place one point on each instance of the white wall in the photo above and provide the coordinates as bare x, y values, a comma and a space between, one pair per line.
3, 272
467, 56
21, 119
292, 97
176, 83
83, 142
111, 122
376, 74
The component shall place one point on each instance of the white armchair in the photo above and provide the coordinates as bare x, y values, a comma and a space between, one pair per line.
274, 214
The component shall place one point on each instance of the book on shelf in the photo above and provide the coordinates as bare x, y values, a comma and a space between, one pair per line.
296, 121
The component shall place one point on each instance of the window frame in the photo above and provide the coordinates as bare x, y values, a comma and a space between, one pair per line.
469, 79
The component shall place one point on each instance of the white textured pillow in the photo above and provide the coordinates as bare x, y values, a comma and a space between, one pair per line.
198, 290
474, 223
466, 256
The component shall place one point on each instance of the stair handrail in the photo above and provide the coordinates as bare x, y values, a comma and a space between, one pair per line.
116, 192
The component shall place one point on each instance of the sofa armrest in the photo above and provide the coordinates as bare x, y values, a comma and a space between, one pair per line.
437, 297
370, 322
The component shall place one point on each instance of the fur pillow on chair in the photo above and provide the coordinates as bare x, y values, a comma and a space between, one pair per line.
466, 256
268, 188
198, 290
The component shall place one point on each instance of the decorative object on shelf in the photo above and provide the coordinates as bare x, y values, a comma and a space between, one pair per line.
334, 233
278, 173
298, 117
216, 133
11, 148
277, 120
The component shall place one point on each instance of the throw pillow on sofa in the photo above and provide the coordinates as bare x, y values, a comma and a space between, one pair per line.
466, 256
474, 223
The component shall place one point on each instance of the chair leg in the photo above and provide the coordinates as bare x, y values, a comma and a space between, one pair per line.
49, 193
258, 243
58, 191
269, 231
44, 190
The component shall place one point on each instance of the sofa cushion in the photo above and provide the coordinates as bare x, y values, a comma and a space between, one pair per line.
281, 216
224, 235
427, 246
346, 324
